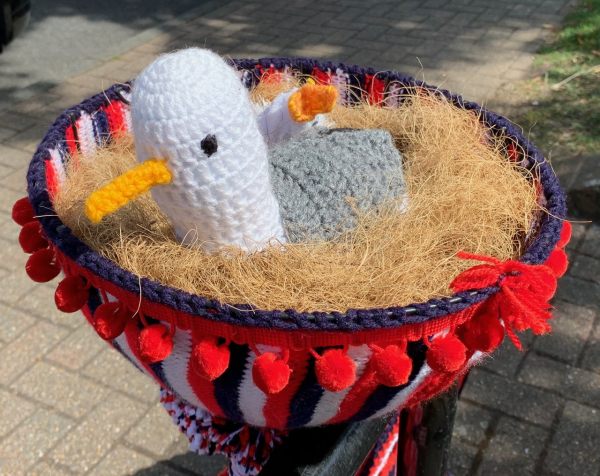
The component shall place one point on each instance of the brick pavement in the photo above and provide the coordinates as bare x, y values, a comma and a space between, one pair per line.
69, 405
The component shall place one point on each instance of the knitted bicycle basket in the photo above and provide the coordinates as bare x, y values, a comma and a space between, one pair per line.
283, 369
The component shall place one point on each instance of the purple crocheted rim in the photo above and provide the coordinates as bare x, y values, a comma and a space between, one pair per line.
244, 315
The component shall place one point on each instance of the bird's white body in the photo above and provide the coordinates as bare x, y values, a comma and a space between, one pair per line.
217, 199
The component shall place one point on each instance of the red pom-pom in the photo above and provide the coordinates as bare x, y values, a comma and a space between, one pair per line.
71, 294
270, 373
155, 343
558, 262
565, 235
446, 354
483, 332
392, 366
30, 237
335, 370
210, 359
41, 266
110, 320
22, 211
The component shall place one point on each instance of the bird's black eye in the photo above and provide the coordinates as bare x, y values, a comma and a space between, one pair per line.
209, 144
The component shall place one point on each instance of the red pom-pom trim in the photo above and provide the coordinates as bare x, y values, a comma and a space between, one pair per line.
22, 211
565, 235
558, 262
110, 320
335, 370
484, 332
270, 373
30, 237
209, 359
71, 294
446, 354
392, 366
155, 343
41, 266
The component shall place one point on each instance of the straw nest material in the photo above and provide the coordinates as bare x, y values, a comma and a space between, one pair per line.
464, 195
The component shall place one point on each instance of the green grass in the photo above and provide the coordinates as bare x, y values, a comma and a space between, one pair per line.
568, 119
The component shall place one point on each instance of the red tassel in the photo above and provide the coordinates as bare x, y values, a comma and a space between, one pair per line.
71, 294
270, 373
446, 354
22, 211
565, 235
392, 366
110, 320
558, 262
30, 237
210, 360
335, 370
483, 332
155, 343
41, 266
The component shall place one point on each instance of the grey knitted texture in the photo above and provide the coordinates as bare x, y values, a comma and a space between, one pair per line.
315, 174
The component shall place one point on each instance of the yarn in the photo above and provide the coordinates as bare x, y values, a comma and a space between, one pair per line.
558, 262
270, 373
335, 371
71, 294
110, 320
310, 100
30, 237
210, 359
41, 266
483, 332
565, 234
155, 343
125, 188
446, 354
392, 366
22, 211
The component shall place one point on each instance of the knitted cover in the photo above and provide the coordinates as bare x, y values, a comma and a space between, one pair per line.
344, 366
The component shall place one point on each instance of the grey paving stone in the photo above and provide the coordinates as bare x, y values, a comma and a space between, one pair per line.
12, 157
471, 423
16, 179
155, 432
122, 460
24, 351
579, 291
43, 468
510, 397
591, 241
574, 447
591, 356
13, 259
32, 439
573, 383
585, 267
13, 410
514, 449
87, 444
81, 346
462, 456
7, 198
39, 302
181, 457
571, 327
67, 392
506, 360
113, 370
13, 323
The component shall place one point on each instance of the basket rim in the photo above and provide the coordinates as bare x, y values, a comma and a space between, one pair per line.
244, 315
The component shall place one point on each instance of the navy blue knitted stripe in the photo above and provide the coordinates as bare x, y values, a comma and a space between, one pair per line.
306, 398
101, 128
242, 314
94, 299
227, 386
382, 394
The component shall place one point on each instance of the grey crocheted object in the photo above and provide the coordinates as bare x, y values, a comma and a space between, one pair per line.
314, 174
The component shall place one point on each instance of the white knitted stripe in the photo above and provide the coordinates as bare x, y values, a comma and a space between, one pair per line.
121, 341
251, 399
329, 403
175, 368
85, 134
58, 165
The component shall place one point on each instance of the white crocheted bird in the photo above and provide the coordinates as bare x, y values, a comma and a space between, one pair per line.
199, 137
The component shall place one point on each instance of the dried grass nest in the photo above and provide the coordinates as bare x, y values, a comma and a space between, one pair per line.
464, 195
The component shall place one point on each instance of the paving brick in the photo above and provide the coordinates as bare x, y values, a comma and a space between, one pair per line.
16, 179
9, 230
471, 423
181, 457
122, 460
112, 369
39, 301
45, 469
574, 447
462, 456
506, 360
16, 121
64, 391
510, 397
13, 410
77, 349
591, 355
32, 439
13, 259
91, 440
579, 291
13, 323
155, 432
28, 139
514, 449
573, 383
585, 267
571, 327
7, 198
591, 242
24, 351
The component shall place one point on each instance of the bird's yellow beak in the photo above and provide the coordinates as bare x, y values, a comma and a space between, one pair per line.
310, 100
126, 187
